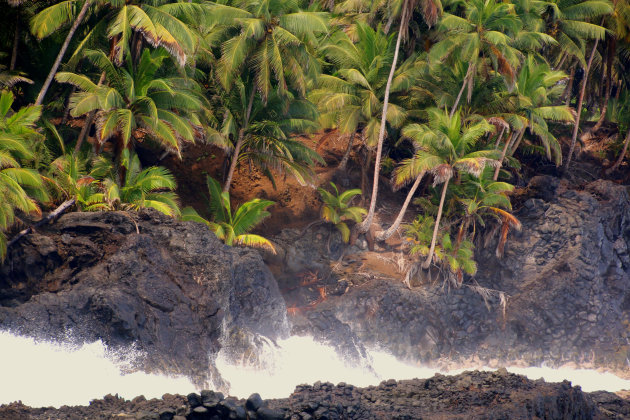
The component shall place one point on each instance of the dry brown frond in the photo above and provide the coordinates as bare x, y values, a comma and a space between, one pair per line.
498, 122
441, 173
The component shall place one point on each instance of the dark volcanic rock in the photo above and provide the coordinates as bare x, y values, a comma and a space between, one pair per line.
142, 278
568, 275
565, 278
470, 395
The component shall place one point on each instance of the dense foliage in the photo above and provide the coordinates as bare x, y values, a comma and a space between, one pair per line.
454, 93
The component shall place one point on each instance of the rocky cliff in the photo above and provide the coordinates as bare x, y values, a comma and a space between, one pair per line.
560, 294
170, 288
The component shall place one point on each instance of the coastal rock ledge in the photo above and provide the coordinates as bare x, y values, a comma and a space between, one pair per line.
171, 289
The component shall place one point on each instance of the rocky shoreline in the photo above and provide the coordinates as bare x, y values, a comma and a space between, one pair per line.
175, 292
544, 302
470, 395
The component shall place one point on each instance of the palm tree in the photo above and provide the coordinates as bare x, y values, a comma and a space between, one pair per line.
71, 179
567, 22
483, 198
19, 187
535, 90
136, 103
271, 44
152, 187
66, 42
337, 209
232, 227
351, 99
618, 24
430, 12
483, 37
156, 22
269, 141
445, 147
458, 257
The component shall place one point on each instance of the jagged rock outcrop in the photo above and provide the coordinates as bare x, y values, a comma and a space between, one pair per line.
565, 279
170, 288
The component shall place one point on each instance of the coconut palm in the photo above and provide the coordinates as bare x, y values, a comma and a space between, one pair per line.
430, 11
232, 227
271, 45
482, 198
568, 22
445, 147
137, 103
484, 37
269, 141
337, 210
351, 98
535, 90
20, 187
157, 22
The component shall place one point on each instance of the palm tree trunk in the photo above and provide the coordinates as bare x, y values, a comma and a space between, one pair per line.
16, 41
365, 225
364, 178
383, 235
608, 89
569, 87
346, 155
518, 141
66, 113
461, 91
62, 51
239, 142
564, 57
503, 153
427, 262
621, 155
602, 116
579, 105
496, 145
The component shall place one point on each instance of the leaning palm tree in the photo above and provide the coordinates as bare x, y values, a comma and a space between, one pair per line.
431, 10
233, 227
271, 44
351, 98
20, 187
570, 23
137, 103
444, 148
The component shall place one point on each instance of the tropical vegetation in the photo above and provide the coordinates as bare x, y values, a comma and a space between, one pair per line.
457, 99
